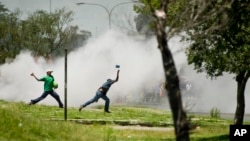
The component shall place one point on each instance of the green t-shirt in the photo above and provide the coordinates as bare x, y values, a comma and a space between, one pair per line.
48, 82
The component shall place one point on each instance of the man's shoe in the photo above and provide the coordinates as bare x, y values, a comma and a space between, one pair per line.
61, 106
80, 109
81, 106
107, 111
30, 103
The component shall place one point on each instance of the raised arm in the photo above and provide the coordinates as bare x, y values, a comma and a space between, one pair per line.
32, 74
117, 76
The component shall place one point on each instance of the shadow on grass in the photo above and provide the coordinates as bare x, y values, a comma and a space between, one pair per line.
213, 138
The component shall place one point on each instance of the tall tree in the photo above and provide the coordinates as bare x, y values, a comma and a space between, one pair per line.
9, 34
47, 34
220, 35
159, 10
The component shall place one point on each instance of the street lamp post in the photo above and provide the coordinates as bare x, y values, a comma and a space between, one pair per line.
109, 12
50, 6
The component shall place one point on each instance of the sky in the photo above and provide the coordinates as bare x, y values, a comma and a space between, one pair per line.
91, 65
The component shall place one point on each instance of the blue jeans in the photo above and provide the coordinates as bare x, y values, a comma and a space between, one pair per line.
96, 98
45, 94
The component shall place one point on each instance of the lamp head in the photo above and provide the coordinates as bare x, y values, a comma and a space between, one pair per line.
80, 3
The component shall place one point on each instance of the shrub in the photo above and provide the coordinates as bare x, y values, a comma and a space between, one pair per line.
215, 113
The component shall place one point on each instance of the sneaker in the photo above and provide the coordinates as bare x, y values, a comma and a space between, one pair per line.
81, 106
30, 103
107, 111
61, 106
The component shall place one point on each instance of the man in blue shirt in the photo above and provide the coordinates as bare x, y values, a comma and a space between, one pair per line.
102, 93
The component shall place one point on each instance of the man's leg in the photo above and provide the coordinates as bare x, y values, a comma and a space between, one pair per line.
56, 96
106, 107
44, 95
94, 99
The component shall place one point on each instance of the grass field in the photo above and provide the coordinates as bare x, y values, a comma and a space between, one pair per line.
20, 122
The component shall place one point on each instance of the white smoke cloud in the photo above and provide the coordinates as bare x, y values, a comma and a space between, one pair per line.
88, 68
91, 65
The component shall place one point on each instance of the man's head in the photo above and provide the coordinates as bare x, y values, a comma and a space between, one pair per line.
109, 80
49, 71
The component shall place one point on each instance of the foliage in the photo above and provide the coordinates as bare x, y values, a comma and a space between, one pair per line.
44, 34
9, 34
47, 32
220, 31
221, 41
144, 20
215, 113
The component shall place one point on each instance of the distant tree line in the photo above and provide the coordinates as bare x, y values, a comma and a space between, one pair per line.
45, 34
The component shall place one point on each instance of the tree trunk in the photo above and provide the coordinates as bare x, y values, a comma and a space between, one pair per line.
241, 79
179, 116
172, 81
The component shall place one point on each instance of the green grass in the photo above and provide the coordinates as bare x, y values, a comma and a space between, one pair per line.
20, 122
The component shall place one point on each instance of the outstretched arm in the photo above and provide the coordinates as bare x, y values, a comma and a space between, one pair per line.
32, 74
117, 76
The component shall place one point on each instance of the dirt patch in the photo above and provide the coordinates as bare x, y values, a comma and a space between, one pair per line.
143, 128
133, 123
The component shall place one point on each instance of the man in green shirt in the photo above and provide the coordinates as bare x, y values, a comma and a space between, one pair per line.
48, 89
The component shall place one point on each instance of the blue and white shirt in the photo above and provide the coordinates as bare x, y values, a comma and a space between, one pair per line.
107, 85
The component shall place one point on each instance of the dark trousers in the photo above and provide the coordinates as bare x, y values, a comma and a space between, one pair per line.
96, 98
45, 94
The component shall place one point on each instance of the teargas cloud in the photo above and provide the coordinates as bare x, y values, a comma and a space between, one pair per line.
141, 71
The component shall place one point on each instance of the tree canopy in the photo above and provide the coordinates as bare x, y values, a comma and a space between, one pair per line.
219, 33
43, 33
9, 33
144, 21
220, 42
